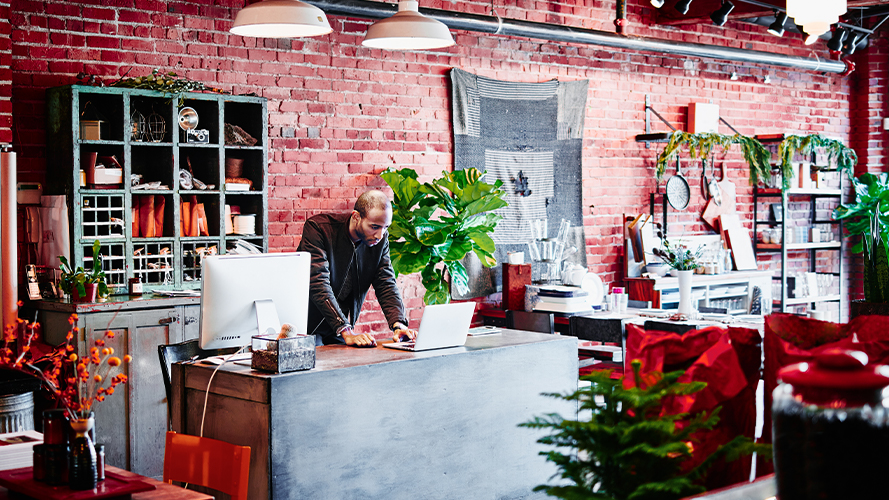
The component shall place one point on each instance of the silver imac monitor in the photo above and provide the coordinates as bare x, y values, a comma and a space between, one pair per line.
243, 295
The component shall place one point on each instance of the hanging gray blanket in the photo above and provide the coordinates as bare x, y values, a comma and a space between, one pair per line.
505, 128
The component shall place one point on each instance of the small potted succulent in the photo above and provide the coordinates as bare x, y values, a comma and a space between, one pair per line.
83, 285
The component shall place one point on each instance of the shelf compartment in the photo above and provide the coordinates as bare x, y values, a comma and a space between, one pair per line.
153, 262
154, 164
247, 163
203, 163
114, 261
102, 216
810, 300
249, 117
105, 108
208, 119
192, 219
148, 210
193, 253
157, 121
799, 246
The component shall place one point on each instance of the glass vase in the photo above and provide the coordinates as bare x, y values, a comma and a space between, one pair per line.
82, 458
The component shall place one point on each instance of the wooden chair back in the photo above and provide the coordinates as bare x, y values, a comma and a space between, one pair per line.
211, 463
530, 321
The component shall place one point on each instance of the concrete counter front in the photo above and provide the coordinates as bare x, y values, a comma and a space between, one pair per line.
380, 423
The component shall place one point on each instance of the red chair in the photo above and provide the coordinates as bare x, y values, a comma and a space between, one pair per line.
728, 360
207, 462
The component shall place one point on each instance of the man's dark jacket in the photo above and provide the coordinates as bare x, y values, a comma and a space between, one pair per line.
326, 237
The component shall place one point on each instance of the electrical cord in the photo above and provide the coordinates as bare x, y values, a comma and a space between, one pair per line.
207, 394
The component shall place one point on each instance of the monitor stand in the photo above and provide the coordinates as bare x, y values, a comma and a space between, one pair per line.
267, 321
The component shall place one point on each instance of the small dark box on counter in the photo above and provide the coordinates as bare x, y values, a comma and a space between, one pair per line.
283, 355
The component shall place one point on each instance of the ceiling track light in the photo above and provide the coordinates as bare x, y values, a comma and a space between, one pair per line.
720, 16
852, 42
777, 27
657, 4
682, 6
836, 41
407, 29
280, 19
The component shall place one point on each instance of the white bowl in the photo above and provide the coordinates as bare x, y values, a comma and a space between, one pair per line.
658, 268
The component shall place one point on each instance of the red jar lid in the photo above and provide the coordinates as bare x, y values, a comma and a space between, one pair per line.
838, 372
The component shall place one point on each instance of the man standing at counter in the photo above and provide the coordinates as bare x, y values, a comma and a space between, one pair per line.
350, 252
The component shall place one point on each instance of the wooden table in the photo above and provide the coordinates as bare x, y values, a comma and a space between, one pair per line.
164, 491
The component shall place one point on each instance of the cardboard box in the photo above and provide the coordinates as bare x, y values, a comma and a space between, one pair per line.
107, 176
91, 130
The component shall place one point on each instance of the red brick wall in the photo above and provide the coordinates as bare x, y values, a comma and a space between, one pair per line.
341, 113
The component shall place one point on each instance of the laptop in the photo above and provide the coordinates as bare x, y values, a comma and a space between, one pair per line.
442, 325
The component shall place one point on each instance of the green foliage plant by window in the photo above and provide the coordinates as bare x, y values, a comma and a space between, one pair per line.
702, 145
868, 218
846, 158
435, 224
627, 449
677, 255
77, 278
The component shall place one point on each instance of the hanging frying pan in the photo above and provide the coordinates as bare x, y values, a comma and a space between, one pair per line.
713, 186
677, 191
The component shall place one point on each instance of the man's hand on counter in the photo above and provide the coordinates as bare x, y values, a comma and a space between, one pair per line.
403, 333
359, 340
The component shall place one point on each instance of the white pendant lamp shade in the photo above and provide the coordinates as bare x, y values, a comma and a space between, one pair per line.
281, 19
408, 30
816, 16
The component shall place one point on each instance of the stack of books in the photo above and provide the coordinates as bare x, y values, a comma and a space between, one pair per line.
16, 449
562, 299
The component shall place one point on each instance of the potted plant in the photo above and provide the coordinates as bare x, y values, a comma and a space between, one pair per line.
868, 217
435, 224
621, 445
684, 262
84, 286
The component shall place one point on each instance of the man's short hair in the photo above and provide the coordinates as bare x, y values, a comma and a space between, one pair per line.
369, 200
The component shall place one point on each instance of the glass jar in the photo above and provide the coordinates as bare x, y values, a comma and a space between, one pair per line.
829, 422
135, 286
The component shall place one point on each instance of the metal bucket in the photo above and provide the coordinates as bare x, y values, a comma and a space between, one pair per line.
17, 412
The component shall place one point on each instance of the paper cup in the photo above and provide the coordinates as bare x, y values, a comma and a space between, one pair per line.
515, 257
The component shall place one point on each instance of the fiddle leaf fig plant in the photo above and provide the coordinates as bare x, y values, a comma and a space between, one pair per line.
702, 145
868, 218
77, 278
435, 224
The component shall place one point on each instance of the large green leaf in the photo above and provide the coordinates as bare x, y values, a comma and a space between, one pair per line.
459, 277
408, 262
487, 259
458, 249
483, 241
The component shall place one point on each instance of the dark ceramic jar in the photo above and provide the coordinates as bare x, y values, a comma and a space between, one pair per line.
830, 428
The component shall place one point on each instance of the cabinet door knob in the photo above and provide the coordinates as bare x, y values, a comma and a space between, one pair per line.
167, 321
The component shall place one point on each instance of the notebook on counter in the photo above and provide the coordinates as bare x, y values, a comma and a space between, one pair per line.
442, 326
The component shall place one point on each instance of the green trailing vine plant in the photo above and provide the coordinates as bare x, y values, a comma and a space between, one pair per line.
625, 448
435, 224
791, 145
702, 145
171, 84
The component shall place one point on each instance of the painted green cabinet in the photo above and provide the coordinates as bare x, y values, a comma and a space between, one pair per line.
142, 216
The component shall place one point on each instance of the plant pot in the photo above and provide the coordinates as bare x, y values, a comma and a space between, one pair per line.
89, 288
862, 308
685, 291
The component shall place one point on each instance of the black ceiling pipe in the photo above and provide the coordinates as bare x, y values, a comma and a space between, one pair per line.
567, 34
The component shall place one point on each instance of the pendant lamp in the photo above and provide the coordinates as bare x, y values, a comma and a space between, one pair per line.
815, 16
407, 29
280, 19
